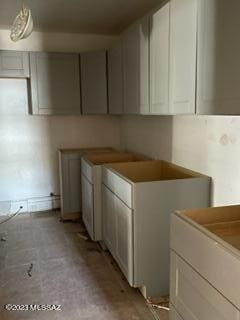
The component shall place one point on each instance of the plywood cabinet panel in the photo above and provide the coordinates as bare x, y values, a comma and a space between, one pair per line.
14, 64
94, 82
55, 84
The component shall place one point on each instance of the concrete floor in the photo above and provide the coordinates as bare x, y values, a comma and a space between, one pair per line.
67, 271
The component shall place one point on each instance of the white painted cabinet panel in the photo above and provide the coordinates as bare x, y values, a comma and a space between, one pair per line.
118, 232
211, 256
194, 298
142, 231
183, 56
124, 249
70, 180
87, 205
94, 82
92, 171
136, 68
173, 315
205, 260
55, 83
159, 61
218, 74
115, 79
109, 218
14, 64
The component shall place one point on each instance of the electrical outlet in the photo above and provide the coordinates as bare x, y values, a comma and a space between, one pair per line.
15, 206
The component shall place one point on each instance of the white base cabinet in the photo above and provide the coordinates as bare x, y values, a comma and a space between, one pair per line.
92, 191
70, 180
138, 199
205, 264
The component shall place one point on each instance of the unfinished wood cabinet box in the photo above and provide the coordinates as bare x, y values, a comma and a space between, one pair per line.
205, 264
91, 188
138, 199
70, 179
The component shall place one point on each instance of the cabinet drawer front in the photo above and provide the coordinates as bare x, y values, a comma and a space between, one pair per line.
194, 298
118, 186
208, 257
87, 170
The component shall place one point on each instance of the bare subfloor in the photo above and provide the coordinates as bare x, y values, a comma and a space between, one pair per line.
45, 261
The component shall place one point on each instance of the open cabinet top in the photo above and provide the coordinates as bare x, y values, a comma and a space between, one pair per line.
112, 157
223, 222
158, 170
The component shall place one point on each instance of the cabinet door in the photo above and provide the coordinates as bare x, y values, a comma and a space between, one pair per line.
109, 220
159, 61
194, 297
115, 79
55, 84
94, 82
136, 68
14, 64
124, 252
70, 166
218, 57
183, 56
88, 206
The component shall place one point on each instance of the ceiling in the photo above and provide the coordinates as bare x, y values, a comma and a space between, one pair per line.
78, 16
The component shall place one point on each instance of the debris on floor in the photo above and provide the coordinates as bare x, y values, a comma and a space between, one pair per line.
83, 235
159, 303
64, 267
29, 272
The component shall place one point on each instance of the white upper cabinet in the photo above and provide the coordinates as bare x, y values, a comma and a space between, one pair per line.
218, 75
136, 68
55, 84
159, 61
14, 64
115, 79
94, 82
183, 48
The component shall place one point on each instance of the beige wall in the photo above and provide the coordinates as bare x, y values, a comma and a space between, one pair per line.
29, 144
207, 144
62, 42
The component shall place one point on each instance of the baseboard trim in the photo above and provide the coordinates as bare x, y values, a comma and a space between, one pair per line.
30, 205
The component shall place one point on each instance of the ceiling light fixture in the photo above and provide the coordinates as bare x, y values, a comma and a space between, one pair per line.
23, 24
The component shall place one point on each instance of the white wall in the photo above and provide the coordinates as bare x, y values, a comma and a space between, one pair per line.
60, 42
29, 144
210, 145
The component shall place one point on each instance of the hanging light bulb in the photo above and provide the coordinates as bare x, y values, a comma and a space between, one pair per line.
23, 25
